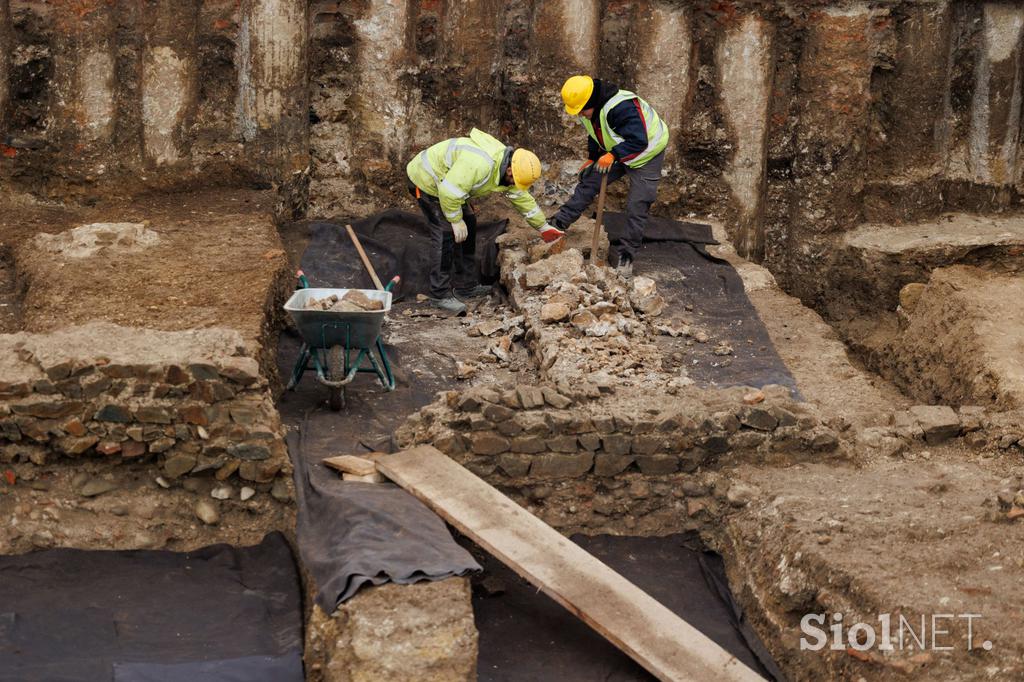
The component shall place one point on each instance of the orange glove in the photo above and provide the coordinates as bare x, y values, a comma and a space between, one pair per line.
604, 164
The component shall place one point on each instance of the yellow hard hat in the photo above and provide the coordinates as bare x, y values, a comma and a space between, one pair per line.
575, 93
525, 168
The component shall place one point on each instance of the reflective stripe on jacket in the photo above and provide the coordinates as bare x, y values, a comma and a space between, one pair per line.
657, 131
464, 168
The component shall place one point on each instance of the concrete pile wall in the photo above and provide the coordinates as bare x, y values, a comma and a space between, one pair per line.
190, 401
792, 122
832, 111
121, 96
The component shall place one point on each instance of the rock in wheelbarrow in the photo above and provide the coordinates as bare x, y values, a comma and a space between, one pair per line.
361, 300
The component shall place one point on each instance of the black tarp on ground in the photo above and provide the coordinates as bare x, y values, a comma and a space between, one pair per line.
351, 534
674, 255
526, 635
397, 243
218, 614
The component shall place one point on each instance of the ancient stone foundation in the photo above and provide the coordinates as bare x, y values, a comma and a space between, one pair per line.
192, 401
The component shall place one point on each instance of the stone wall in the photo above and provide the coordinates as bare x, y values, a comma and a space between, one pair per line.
422, 632
192, 402
526, 436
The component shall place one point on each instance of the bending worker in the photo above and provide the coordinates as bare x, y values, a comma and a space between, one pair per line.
443, 178
626, 138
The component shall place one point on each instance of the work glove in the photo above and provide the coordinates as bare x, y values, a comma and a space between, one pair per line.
604, 164
460, 231
586, 169
549, 233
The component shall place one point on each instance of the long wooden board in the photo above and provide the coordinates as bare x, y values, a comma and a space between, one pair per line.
660, 641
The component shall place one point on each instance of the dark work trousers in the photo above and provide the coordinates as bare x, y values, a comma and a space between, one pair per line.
445, 254
643, 188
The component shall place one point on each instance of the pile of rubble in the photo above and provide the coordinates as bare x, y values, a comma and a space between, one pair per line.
353, 301
587, 321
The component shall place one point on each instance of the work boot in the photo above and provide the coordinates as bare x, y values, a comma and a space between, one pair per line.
625, 266
476, 292
449, 304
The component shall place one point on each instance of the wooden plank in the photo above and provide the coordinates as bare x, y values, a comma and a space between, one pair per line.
664, 644
350, 464
375, 477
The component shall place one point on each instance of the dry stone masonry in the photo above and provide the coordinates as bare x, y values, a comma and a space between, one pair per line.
192, 402
601, 462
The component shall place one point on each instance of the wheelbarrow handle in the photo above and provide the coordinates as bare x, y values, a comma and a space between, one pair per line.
303, 281
394, 280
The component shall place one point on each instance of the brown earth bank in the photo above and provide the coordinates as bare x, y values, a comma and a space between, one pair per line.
118, 405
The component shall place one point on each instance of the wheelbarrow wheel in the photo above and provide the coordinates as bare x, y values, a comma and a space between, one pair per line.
336, 399
336, 367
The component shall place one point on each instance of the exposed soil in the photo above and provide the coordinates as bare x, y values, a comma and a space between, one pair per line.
231, 270
216, 261
10, 300
915, 535
45, 507
872, 112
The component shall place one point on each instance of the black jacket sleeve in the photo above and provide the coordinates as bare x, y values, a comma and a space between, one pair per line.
594, 151
627, 121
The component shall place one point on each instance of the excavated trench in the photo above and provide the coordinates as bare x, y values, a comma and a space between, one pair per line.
868, 154
510, 615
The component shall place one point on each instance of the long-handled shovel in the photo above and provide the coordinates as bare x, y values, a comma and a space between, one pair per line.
363, 256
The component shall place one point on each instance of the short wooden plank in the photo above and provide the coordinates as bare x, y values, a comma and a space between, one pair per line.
350, 464
375, 477
664, 644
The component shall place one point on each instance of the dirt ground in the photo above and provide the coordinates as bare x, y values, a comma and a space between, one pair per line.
231, 272
58, 505
216, 262
914, 535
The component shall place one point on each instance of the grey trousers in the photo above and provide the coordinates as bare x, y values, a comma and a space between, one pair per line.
643, 188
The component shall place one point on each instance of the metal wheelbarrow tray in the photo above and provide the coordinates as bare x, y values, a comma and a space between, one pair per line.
329, 337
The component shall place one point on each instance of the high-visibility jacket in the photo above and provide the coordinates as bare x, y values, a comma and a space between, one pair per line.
657, 131
464, 168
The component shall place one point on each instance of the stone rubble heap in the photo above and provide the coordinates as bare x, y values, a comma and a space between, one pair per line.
584, 319
354, 301
194, 401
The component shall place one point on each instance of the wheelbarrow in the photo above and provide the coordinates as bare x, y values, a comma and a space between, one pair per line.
330, 338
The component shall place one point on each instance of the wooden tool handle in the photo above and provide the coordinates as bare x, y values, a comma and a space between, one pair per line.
366, 260
599, 220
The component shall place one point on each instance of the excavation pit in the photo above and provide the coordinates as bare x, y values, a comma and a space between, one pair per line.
863, 158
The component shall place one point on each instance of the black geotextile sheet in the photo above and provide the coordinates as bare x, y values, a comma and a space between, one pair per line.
674, 255
526, 635
218, 614
353, 534
397, 243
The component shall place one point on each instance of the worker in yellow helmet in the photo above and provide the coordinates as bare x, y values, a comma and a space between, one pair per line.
626, 137
443, 178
